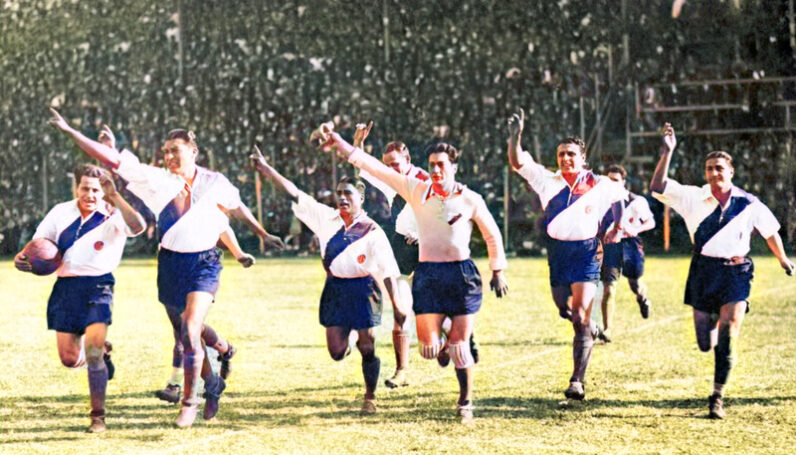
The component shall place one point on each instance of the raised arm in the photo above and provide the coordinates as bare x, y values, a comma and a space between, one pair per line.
269, 173
131, 217
331, 141
106, 155
516, 123
658, 183
775, 244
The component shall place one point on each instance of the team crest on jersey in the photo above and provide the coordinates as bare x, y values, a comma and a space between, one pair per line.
588, 209
361, 258
99, 245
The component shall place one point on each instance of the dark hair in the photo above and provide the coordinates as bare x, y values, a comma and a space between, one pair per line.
396, 146
442, 147
182, 134
617, 169
719, 154
577, 141
358, 184
88, 170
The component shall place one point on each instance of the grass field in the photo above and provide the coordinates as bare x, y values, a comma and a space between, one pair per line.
646, 392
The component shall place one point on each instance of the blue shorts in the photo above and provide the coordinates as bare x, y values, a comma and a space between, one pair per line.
623, 258
353, 303
182, 273
712, 282
575, 261
449, 288
77, 302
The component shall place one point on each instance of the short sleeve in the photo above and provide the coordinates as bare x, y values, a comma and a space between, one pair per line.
47, 229
534, 173
384, 264
679, 197
227, 194
764, 221
643, 209
311, 212
130, 168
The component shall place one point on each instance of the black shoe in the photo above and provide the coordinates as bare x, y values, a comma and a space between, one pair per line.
224, 358
716, 407
474, 347
214, 386
171, 393
604, 336
575, 391
644, 306
107, 357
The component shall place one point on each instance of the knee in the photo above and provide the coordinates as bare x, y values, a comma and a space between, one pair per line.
70, 360
338, 354
461, 355
94, 354
366, 347
430, 351
579, 320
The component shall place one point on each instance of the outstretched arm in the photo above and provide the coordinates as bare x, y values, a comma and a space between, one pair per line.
516, 123
269, 173
243, 213
131, 217
331, 141
775, 244
106, 155
658, 183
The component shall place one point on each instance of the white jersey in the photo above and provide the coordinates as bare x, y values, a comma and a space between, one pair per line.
360, 250
198, 228
444, 223
637, 212
90, 246
572, 212
720, 232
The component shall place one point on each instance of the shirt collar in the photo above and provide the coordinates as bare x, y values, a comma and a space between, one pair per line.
103, 207
336, 216
458, 188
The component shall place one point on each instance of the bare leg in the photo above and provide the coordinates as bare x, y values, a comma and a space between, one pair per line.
97, 370
196, 309
607, 306
460, 335
582, 297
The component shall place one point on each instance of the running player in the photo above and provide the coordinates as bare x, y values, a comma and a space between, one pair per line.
90, 232
626, 257
574, 201
446, 281
191, 203
720, 218
403, 239
171, 392
355, 253
402, 232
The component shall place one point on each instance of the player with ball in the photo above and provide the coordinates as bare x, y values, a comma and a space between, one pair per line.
88, 233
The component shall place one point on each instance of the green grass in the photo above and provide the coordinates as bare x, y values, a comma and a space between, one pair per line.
646, 393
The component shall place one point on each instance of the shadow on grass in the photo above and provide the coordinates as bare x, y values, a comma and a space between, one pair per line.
335, 405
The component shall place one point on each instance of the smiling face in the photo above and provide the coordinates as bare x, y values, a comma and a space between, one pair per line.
718, 173
349, 199
443, 172
89, 194
179, 156
571, 158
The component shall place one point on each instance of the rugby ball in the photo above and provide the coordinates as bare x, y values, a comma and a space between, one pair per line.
43, 256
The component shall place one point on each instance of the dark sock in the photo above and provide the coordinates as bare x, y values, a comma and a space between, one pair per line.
370, 370
193, 369
212, 339
97, 383
464, 376
723, 355
581, 351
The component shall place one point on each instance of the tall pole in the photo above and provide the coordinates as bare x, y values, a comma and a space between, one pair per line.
180, 36
506, 214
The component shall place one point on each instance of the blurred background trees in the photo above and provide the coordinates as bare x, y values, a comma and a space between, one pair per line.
268, 72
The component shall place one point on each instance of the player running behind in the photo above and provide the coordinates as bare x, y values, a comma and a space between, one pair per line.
720, 218
355, 253
446, 282
90, 232
627, 256
191, 204
171, 392
574, 200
